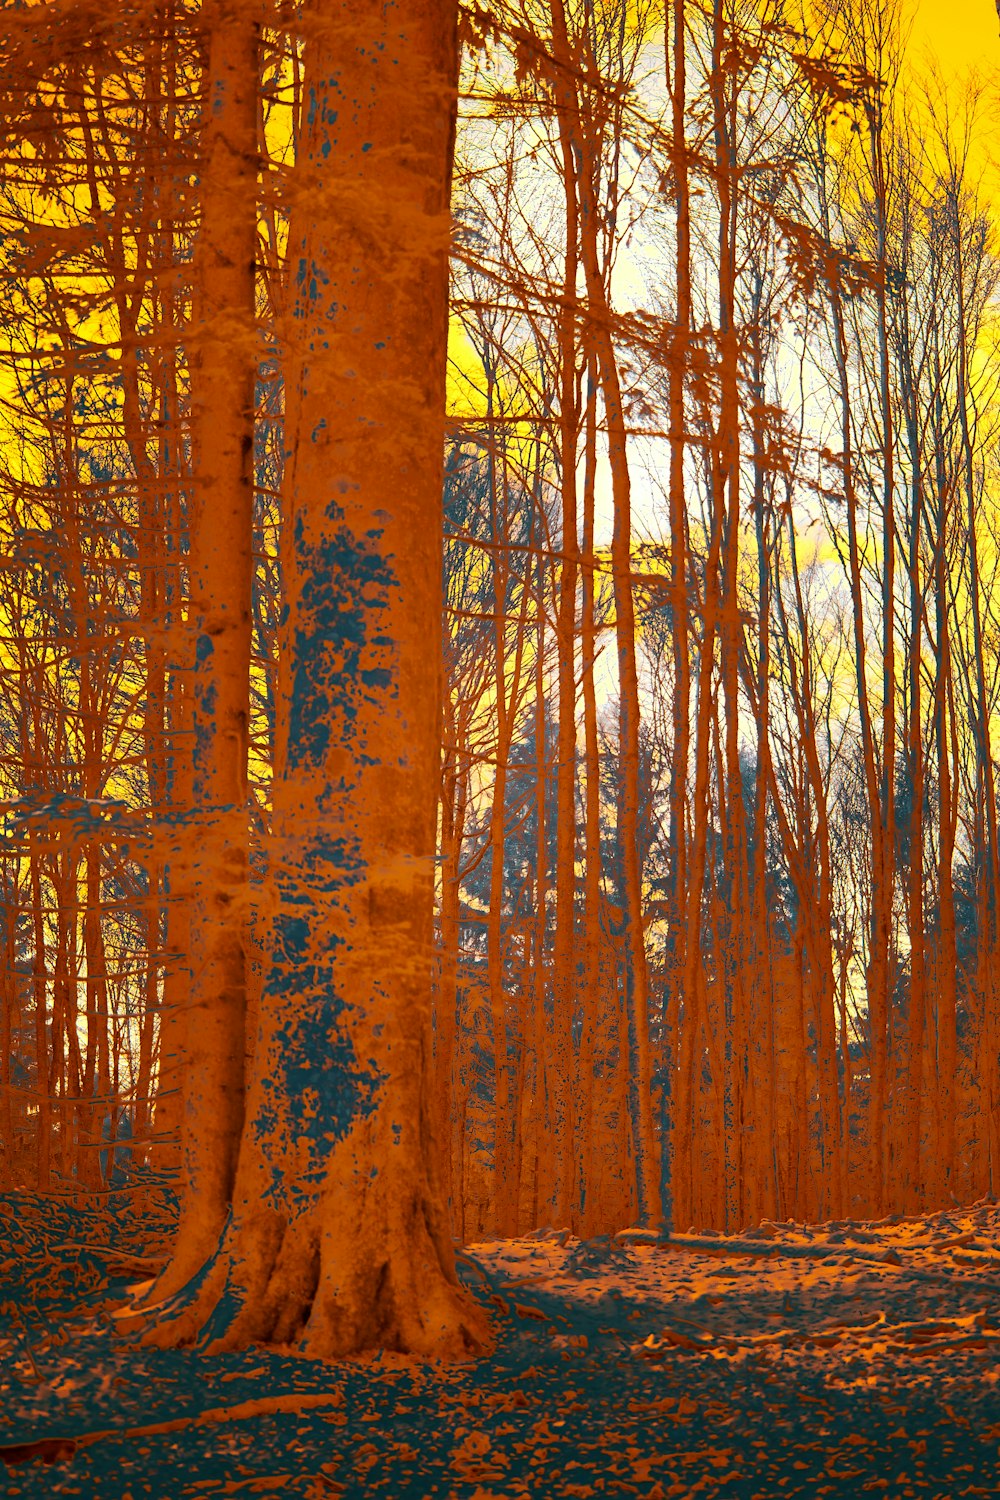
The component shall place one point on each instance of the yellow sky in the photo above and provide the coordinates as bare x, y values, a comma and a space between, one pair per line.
959, 33
959, 38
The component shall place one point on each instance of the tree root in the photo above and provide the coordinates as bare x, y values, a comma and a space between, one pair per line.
58, 1448
294, 1286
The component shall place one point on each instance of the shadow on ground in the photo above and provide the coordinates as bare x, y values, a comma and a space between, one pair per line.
837, 1360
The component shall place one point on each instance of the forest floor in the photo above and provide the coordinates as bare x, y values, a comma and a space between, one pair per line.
843, 1359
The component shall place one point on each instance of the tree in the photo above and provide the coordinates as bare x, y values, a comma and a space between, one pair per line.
339, 1235
221, 568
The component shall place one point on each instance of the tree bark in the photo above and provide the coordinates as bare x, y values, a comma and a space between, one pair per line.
339, 1240
678, 936
220, 616
566, 1108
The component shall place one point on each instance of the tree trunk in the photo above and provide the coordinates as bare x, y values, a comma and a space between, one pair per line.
678, 936
592, 989
636, 968
8, 1017
39, 977
340, 1238
223, 374
946, 957
565, 1144
454, 797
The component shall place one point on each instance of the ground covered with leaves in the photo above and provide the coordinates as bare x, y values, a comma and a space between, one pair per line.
844, 1359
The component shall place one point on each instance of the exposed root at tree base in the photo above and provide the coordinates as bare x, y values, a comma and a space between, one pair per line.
319, 1292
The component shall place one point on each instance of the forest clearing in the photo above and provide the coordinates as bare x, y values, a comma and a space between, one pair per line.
499, 679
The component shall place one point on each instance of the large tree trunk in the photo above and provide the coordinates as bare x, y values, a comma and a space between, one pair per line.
340, 1238
221, 568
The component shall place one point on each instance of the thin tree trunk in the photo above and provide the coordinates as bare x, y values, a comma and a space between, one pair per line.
555, 1063
946, 966
39, 977
565, 1112
679, 934
880, 918
591, 1207
453, 804
636, 970
8, 1004
913, 1185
